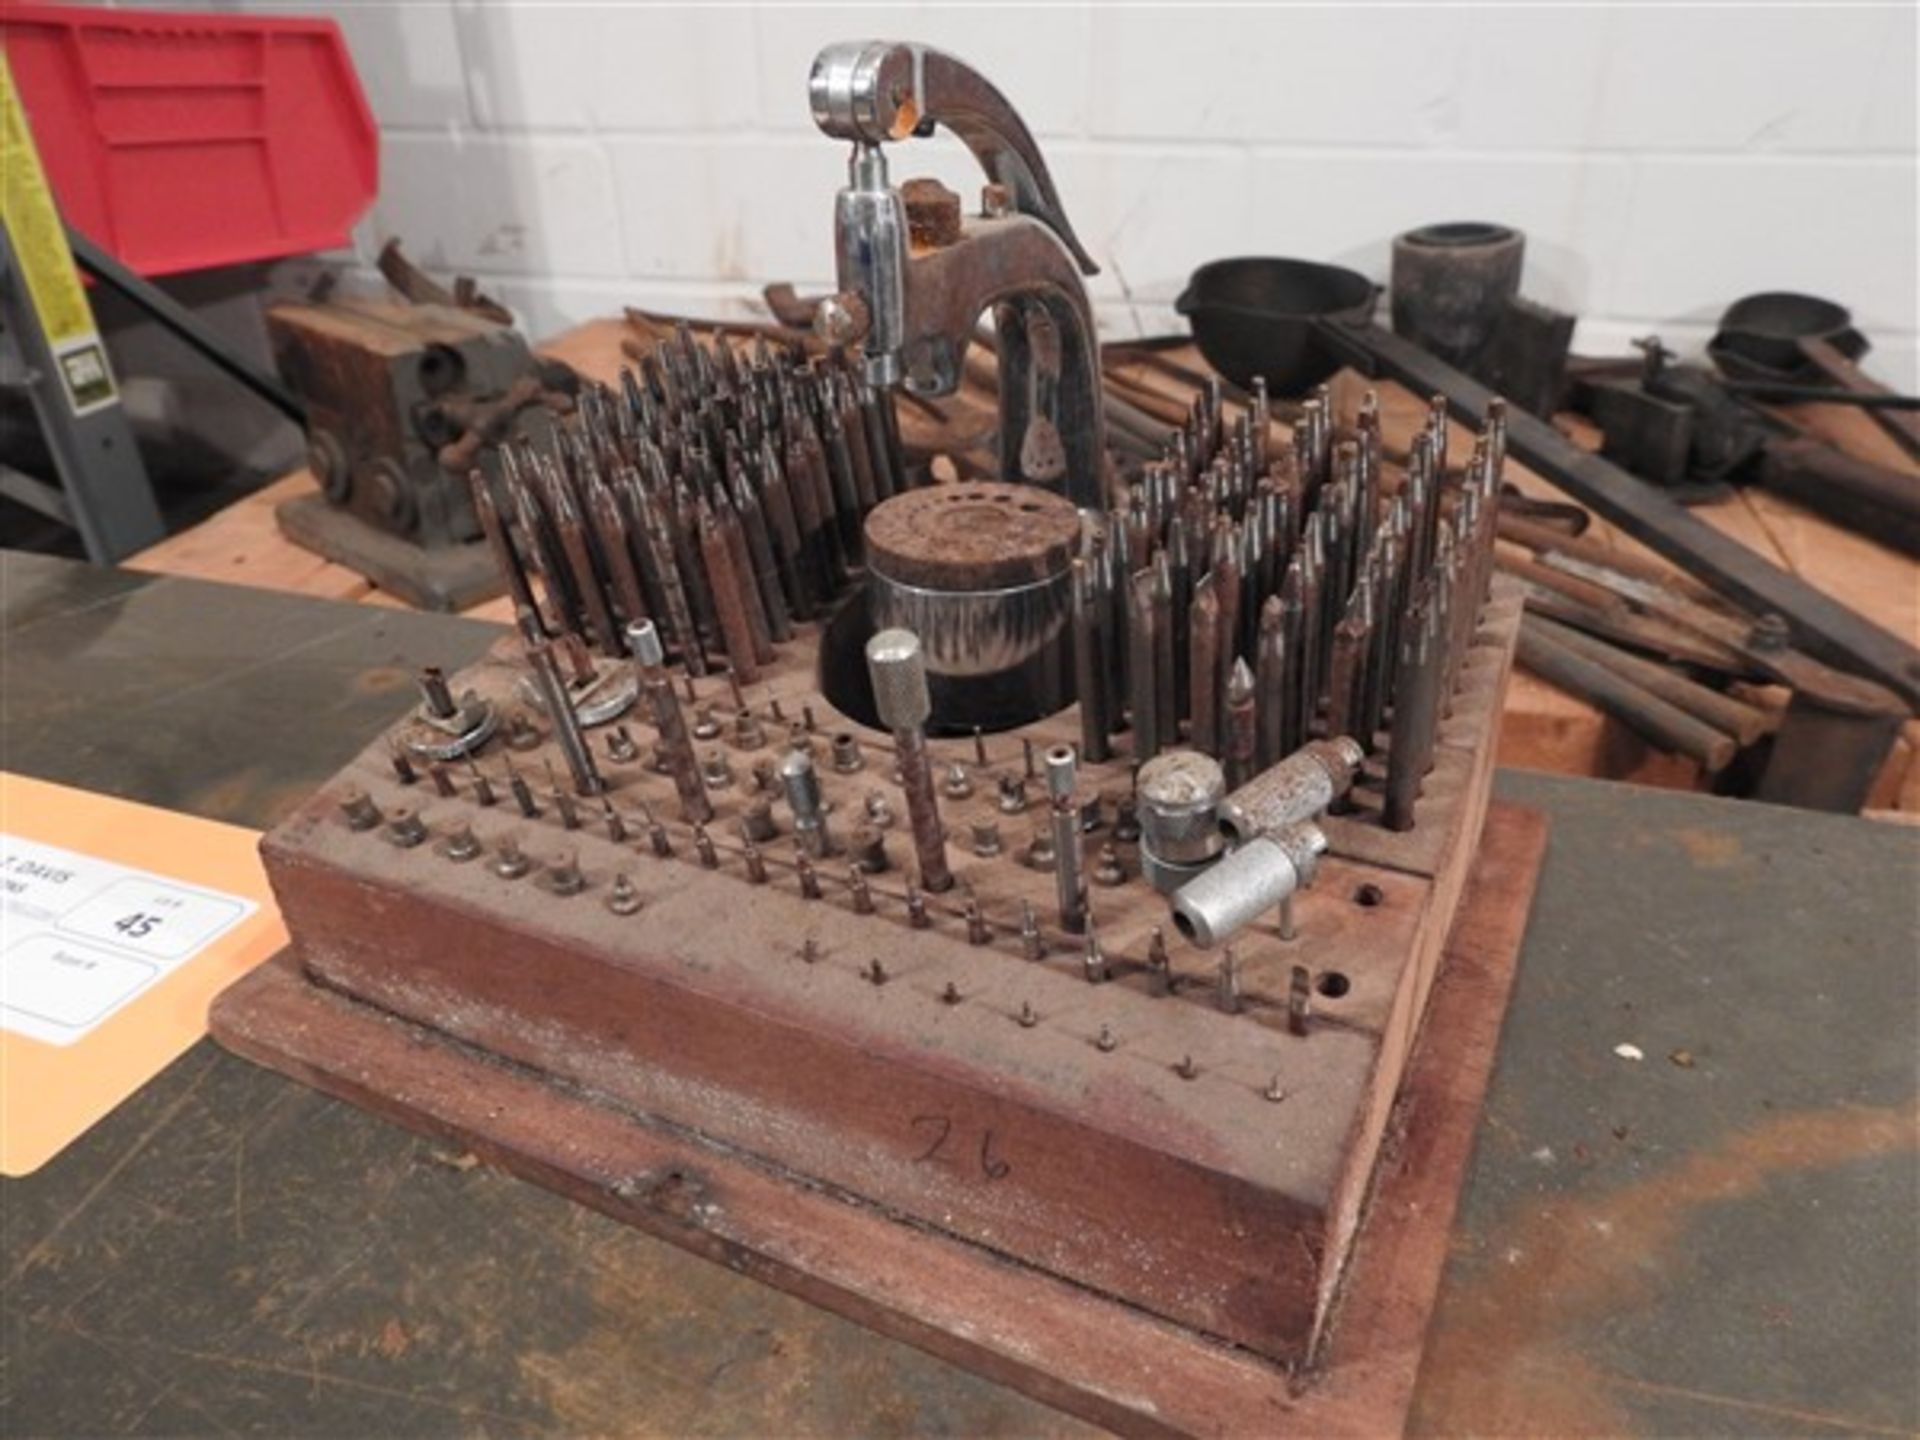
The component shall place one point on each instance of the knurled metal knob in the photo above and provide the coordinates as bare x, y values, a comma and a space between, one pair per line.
898, 670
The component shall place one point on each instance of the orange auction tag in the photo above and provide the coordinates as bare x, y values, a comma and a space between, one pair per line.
119, 923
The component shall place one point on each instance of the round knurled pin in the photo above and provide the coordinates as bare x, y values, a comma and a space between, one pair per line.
405, 828
898, 670
986, 838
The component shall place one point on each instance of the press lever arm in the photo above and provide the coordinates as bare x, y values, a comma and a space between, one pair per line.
875, 91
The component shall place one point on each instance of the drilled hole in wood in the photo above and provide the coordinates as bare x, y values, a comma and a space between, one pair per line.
1369, 895
1332, 984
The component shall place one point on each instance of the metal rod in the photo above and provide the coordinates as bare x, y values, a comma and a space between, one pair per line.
897, 667
566, 724
1665, 725
1069, 869
1089, 666
1819, 623
676, 746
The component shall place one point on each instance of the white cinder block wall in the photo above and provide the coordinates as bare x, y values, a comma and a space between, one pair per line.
1663, 160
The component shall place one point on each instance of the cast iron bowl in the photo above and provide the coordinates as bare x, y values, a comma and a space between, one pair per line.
1261, 315
1759, 336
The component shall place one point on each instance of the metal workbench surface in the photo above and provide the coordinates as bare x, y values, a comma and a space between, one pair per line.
1717, 1238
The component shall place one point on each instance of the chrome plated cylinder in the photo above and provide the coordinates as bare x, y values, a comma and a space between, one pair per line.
974, 633
981, 572
1178, 801
1257, 877
1298, 788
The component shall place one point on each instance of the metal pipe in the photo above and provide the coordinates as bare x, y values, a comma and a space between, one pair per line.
1259, 876
1746, 723
1820, 623
566, 724
1069, 869
898, 669
676, 746
1665, 725
1301, 786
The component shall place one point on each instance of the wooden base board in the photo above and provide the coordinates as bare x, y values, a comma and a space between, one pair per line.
1106, 1362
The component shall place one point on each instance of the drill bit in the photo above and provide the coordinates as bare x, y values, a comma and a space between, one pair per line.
729, 600
1168, 641
574, 546
1270, 683
1143, 674
666, 567
1416, 715
1203, 662
610, 529
766, 569
735, 536
504, 558
1241, 742
1089, 665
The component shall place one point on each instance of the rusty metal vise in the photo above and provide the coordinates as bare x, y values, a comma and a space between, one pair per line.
915, 275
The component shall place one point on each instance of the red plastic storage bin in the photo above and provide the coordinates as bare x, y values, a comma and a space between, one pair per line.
179, 141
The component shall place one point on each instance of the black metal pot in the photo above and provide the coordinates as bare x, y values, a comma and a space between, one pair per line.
1452, 283
1276, 318
1762, 336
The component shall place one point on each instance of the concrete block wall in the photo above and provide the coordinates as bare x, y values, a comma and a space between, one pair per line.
1663, 160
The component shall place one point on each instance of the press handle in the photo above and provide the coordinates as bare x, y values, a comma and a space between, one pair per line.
873, 92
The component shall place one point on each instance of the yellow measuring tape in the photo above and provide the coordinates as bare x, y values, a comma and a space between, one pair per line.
44, 260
